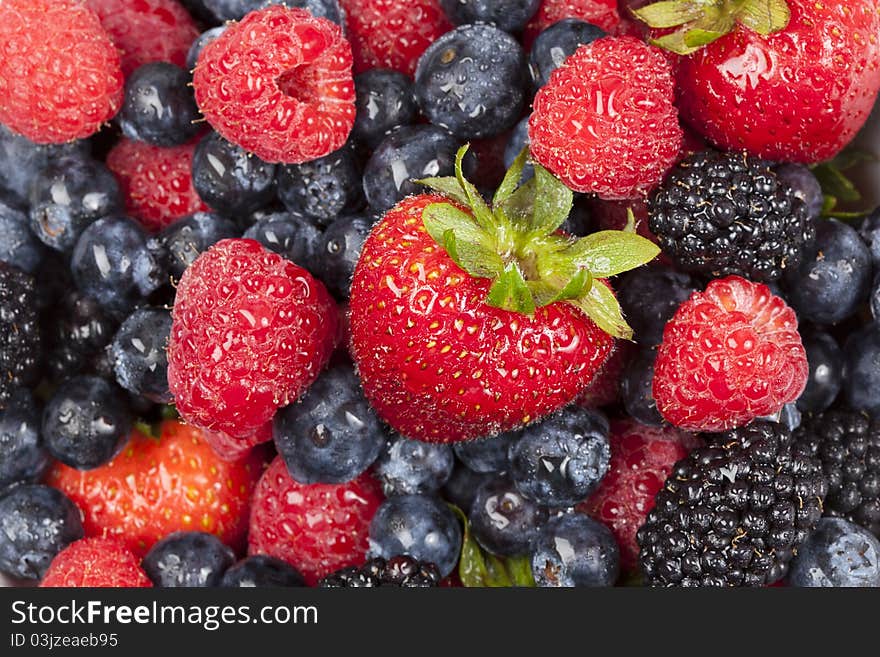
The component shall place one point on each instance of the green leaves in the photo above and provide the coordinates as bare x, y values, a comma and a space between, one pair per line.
469, 246
553, 202
703, 21
838, 188
478, 568
510, 292
600, 305
611, 252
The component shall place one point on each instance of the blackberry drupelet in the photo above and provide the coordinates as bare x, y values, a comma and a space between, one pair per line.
733, 513
400, 571
728, 213
847, 443
21, 346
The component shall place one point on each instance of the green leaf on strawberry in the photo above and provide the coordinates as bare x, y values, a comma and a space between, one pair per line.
516, 243
838, 188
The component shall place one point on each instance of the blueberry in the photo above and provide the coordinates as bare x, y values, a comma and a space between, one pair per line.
419, 526
409, 467
112, 264
18, 245
826, 372
288, 234
837, 553
507, 15
804, 185
322, 189
233, 10
177, 246
833, 281
575, 550
649, 297
159, 107
560, 461
861, 380
79, 330
407, 154
206, 37
384, 100
486, 454
503, 520
462, 486
580, 221
138, 354
260, 571
875, 298
23, 457
338, 251
86, 422
636, 388
229, 179
869, 230
36, 523
472, 81
188, 559
330, 435
68, 195
556, 44
518, 140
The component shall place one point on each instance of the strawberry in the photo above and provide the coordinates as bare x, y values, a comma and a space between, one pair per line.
96, 562
467, 320
783, 80
157, 486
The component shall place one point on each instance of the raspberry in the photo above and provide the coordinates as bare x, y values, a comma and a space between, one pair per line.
147, 30
250, 333
96, 562
278, 84
605, 122
729, 355
602, 13
59, 73
156, 181
393, 33
316, 528
641, 459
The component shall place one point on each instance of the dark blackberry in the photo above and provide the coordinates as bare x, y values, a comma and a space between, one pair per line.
159, 107
384, 100
507, 15
848, 445
400, 571
78, 332
472, 81
728, 213
322, 189
21, 345
733, 513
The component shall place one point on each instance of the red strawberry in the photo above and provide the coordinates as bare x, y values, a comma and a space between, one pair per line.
605, 122
96, 562
598, 12
60, 78
278, 84
392, 33
250, 332
156, 486
641, 459
729, 355
156, 181
317, 528
790, 80
458, 321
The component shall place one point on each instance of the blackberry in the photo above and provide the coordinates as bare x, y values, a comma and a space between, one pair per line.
847, 443
21, 346
728, 213
734, 512
400, 571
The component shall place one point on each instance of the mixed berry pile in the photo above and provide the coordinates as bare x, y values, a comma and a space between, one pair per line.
416, 293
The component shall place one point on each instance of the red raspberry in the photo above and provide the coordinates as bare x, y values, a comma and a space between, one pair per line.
96, 562
729, 354
250, 333
156, 181
598, 12
278, 84
59, 72
317, 528
392, 33
604, 388
147, 30
641, 459
605, 123
232, 449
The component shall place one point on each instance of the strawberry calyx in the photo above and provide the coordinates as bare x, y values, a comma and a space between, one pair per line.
700, 22
516, 243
